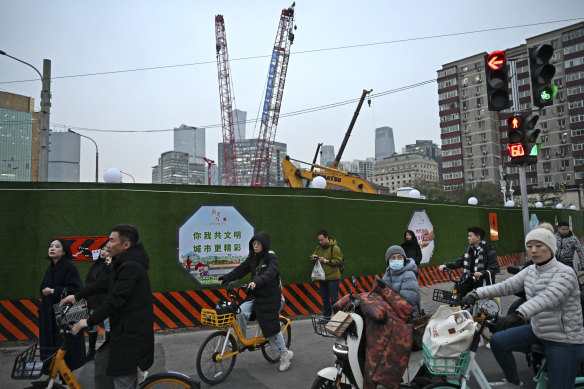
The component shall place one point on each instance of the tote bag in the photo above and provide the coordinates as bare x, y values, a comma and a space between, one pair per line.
449, 332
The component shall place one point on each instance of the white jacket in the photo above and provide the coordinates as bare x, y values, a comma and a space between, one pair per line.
553, 300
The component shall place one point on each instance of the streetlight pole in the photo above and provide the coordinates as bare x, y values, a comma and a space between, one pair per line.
128, 174
45, 115
96, 151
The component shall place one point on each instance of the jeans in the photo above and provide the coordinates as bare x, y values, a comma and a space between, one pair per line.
126, 381
276, 341
106, 324
329, 293
563, 359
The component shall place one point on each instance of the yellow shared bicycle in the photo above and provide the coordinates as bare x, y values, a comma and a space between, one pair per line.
217, 353
34, 362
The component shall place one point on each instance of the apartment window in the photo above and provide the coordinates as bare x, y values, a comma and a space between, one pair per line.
558, 82
565, 163
562, 123
483, 137
547, 166
482, 124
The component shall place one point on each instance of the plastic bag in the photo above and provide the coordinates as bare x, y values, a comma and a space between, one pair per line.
317, 272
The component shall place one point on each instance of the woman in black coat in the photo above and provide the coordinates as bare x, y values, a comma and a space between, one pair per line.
412, 247
264, 296
61, 279
98, 270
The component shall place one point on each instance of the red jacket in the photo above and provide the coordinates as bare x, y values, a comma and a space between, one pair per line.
388, 335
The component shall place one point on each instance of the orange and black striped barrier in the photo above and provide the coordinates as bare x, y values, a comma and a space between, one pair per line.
19, 318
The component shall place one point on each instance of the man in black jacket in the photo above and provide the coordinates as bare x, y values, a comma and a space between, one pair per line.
128, 304
479, 262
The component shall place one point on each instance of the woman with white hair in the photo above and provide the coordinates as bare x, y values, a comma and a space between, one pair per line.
551, 315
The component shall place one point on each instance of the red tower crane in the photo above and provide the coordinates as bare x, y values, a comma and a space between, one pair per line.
225, 95
273, 97
209, 163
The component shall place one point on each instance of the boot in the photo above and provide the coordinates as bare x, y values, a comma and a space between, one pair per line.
92, 341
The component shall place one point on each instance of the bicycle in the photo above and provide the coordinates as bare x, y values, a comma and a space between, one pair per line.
480, 309
218, 352
458, 370
35, 362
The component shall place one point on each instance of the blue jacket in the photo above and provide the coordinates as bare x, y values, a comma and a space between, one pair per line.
405, 282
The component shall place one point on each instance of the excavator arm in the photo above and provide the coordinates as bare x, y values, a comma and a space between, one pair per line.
335, 178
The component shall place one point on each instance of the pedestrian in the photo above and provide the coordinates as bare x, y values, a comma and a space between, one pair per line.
128, 304
98, 269
412, 247
264, 294
61, 278
401, 277
551, 316
329, 254
478, 261
568, 243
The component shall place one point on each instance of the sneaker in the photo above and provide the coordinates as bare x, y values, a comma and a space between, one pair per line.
505, 384
285, 361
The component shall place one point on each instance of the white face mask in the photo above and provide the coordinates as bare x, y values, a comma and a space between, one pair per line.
396, 265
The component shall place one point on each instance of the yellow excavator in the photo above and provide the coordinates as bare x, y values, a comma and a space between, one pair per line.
296, 178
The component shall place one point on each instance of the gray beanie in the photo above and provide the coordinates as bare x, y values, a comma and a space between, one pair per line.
394, 250
544, 236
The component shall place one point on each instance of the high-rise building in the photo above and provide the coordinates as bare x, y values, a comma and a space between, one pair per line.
327, 155
384, 144
246, 149
190, 140
364, 168
403, 169
239, 122
19, 138
474, 140
427, 148
64, 157
174, 167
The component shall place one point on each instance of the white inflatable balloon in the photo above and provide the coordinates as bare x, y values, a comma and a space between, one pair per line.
319, 182
112, 176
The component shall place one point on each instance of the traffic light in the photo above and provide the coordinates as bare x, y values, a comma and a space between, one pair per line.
496, 79
542, 89
523, 147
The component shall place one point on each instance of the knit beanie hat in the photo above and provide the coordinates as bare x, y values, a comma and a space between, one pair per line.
394, 250
544, 236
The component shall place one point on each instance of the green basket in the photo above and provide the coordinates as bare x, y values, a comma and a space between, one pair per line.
446, 365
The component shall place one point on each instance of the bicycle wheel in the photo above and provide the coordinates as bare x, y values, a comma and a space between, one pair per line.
169, 380
210, 369
267, 351
442, 385
323, 383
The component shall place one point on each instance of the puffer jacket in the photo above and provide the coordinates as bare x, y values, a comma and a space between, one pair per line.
553, 300
405, 283
567, 245
387, 333
334, 255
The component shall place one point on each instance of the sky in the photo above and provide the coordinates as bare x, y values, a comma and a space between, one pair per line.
340, 48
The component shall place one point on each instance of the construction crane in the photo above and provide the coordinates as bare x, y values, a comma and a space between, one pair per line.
209, 163
273, 97
226, 97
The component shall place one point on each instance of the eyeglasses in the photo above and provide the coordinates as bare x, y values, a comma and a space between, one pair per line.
256, 243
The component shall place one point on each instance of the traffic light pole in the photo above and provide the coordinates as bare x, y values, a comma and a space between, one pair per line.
524, 208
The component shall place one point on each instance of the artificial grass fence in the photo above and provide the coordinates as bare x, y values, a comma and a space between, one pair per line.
363, 224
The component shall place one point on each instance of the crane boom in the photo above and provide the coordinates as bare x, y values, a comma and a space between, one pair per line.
273, 97
225, 95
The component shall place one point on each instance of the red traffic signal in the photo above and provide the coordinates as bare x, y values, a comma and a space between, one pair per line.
496, 60
516, 150
514, 122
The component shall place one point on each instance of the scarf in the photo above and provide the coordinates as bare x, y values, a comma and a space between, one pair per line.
469, 253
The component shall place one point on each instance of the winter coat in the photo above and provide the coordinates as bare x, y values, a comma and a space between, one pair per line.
64, 278
488, 263
333, 253
412, 248
97, 270
553, 300
388, 336
128, 304
265, 272
405, 283
567, 245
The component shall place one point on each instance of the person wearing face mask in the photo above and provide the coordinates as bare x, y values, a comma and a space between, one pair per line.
401, 277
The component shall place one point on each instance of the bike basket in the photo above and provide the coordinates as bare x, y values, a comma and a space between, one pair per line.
29, 364
75, 313
325, 327
209, 317
444, 296
446, 365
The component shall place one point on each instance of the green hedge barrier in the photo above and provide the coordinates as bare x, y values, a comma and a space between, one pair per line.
364, 225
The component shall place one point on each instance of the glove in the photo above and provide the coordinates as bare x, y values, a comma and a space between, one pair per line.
514, 319
469, 300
